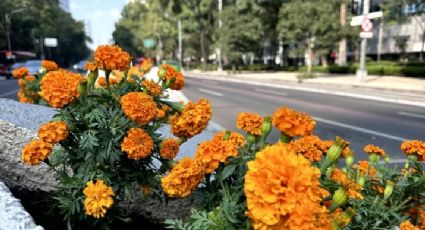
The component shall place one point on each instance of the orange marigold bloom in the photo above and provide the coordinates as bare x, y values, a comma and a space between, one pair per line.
365, 168
310, 146
178, 82
183, 178
169, 149
414, 147
378, 188
53, 132
139, 107
90, 66
137, 144
406, 225
421, 222
293, 123
110, 57
192, 120
134, 72
340, 219
29, 78
60, 88
211, 153
370, 149
353, 189
20, 72
21, 82
283, 191
22, 97
49, 65
168, 73
153, 88
36, 152
235, 138
250, 123
98, 198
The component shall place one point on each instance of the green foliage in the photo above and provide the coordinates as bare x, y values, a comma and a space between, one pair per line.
41, 18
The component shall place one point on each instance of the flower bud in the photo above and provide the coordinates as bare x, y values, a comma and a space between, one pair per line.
349, 161
82, 90
339, 198
335, 150
251, 139
374, 158
266, 127
227, 135
91, 79
361, 180
387, 159
412, 158
285, 138
161, 73
388, 189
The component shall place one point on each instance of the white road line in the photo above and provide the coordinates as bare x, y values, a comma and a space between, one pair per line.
270, 92
211, 92
395, 161
359, 129
210, 82
9, 93
411, 115
322, 91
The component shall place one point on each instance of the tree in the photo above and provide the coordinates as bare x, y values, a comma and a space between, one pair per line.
404, 11
314, 26
44, 18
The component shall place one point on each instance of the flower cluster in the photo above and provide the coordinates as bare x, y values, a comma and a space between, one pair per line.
250, 123
174, 78
137, 144
293, 123
53, 132
20, 72
110, 57
49, 65
98, 198
211, 153
414, 148
139, 107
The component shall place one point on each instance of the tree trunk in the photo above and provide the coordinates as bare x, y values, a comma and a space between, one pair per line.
421, 55
203, 51
324, 61
310, 57
342, 52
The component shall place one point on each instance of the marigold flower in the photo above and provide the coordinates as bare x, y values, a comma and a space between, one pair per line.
137, 144
365, 168
90, 66
293, 123
178, 81
20, 72
110, 57
153, 88
168, 73
378, 188
340, 218
134, 72
29, 78
353, 189
60, 88
101, 81
414, 147
139, 107
250, 123
49, 65
235, 138
36, 152
373, 149
211, 153
53, 132
283, 191
169, 149
22, 97
183, 178
406, 225
310, 146
192, 120
98, 198
21, 83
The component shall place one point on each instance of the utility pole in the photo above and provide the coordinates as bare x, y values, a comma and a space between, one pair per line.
362, 72
381, 32
179, 25
8, 24
220, 25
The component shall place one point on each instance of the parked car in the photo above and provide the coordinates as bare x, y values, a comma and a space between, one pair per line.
7, 59
79, 67
33, 66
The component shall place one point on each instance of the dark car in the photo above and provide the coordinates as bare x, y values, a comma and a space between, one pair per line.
7, 59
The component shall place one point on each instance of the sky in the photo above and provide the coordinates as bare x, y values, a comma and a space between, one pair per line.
101, 16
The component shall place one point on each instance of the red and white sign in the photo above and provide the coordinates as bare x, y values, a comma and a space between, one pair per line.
367, 25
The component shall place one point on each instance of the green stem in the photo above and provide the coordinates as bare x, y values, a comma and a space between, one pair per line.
285, 138
107, 73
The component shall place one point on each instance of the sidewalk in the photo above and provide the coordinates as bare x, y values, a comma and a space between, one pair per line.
401, 84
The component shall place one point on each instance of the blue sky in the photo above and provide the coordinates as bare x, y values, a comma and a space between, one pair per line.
101, 14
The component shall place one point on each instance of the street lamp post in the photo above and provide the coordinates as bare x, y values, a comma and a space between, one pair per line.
8, 22
179, 25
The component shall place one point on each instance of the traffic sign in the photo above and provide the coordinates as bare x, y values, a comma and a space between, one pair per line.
358, 20
367, 25
366, 34
51, 42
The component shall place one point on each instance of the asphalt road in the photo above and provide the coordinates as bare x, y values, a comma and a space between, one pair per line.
359, 121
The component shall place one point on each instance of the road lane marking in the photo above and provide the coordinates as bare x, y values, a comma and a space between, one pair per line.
321, 91
270, 92
395, 161
411, 115
359, 129
211, 92
9, 93
210, 82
